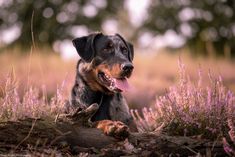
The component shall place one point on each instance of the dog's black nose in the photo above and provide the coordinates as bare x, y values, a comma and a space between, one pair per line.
127, 67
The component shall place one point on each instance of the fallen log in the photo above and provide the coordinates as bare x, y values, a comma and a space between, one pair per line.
72, 134
45, 133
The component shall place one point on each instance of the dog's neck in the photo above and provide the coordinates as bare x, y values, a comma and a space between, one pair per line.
85, 97
86, 72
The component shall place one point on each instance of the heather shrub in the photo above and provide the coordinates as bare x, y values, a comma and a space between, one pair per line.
229, 142
190, 108
33, 104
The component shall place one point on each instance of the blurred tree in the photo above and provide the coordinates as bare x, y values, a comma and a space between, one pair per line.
208, 26
54, 19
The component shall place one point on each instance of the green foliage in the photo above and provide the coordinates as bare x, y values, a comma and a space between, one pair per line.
54, 19
208, 26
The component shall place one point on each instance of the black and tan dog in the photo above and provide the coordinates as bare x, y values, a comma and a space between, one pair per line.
102, 74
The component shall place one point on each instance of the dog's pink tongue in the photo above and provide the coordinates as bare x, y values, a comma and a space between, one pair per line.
122, 84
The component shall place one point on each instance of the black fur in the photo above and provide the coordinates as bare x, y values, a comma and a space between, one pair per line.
85, 46
101, 53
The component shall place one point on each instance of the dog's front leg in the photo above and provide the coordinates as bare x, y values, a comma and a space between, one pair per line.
116, 129
83, 116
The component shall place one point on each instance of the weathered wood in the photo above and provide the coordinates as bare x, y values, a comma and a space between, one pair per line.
73, 133
46, 134
53, 133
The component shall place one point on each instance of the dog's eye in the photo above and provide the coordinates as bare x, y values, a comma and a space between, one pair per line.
110, 45
109, 48
124, 50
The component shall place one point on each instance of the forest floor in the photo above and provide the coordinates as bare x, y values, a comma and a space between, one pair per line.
38, 137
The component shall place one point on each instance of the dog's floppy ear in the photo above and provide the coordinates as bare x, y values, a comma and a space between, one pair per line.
129, 46
85, 46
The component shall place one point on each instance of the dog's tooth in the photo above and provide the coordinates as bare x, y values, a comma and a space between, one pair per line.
111, 86
107, 77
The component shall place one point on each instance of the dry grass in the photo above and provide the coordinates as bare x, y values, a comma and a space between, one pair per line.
33, 89
153, 73
40, 70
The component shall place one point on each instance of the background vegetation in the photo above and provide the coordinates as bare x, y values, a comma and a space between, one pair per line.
206, 27
183, 82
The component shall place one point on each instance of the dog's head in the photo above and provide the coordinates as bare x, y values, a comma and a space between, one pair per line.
107, 61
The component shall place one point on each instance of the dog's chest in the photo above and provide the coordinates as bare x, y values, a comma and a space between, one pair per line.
112, 107
119, 109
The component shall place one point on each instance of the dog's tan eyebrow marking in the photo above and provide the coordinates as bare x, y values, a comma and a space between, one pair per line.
109, 44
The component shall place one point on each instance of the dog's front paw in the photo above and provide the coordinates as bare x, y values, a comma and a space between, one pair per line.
116, 129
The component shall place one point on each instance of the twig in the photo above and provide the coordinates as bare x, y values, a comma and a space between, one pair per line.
56, 118
30, 131
61, 136
190, 149
31, 26
32, 48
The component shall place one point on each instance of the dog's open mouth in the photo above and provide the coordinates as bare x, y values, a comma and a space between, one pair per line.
115, 84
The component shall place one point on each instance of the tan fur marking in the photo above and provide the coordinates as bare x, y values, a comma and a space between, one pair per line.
113, 128
90, 74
